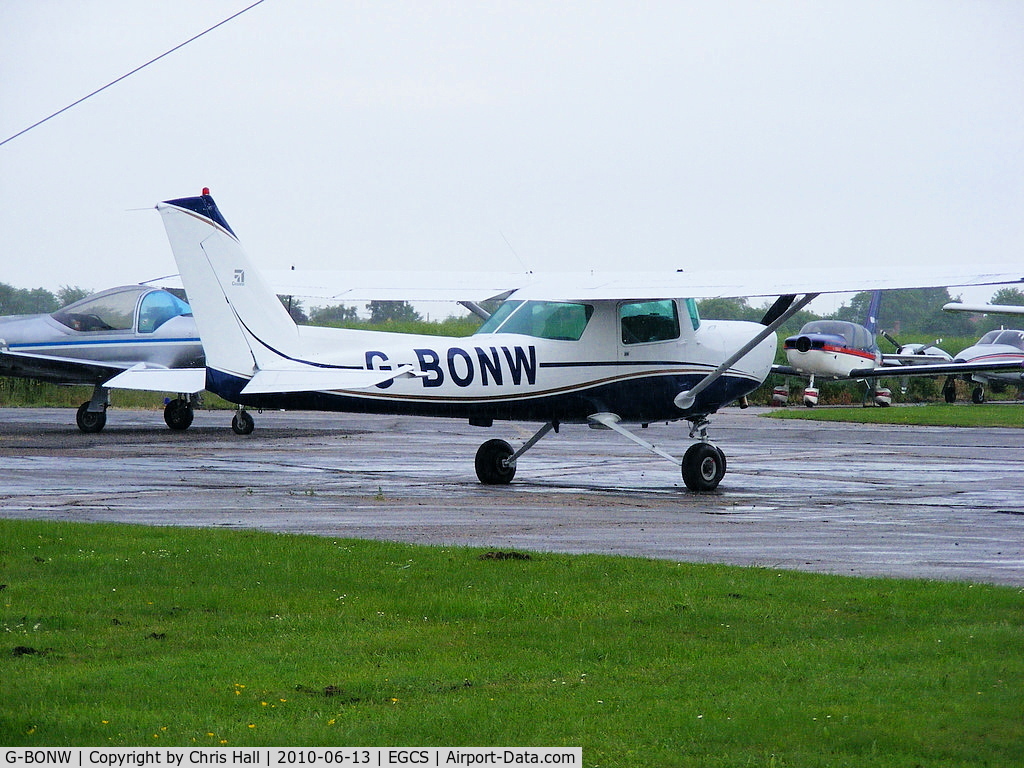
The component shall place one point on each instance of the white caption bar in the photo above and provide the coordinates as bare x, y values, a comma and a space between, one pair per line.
290, 757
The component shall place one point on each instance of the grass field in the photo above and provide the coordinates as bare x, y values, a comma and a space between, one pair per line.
127, 636
937, 415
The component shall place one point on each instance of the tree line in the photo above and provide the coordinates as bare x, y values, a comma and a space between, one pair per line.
911, 312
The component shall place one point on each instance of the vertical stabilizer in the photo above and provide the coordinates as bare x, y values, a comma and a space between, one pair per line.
871, 323
243, 325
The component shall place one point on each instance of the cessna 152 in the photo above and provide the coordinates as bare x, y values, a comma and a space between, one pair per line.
609, 350
96, 338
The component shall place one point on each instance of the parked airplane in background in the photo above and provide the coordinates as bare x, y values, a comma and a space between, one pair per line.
1003, 349
834, 349
96, 338
603, 350
1002, 355
996, 356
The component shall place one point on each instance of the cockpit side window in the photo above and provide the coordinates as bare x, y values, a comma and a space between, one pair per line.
557, 320
645, 321
691, 309
157, 308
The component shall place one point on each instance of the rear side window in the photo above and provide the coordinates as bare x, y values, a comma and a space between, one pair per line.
645, 321
557, 320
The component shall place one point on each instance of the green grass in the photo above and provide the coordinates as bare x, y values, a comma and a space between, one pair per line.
29, 393
932, 415
158, 636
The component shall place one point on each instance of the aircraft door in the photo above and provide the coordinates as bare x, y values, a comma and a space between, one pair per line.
647, 327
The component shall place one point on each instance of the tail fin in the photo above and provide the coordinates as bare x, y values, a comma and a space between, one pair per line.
243, 325
872, 320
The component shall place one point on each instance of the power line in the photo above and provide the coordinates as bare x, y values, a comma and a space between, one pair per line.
129, 74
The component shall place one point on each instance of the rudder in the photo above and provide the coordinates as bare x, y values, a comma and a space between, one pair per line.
242, 324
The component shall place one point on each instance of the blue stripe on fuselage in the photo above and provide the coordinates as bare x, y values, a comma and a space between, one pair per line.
99, 342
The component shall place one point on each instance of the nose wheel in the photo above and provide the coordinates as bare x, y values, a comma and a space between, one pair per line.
703, 467
242, 423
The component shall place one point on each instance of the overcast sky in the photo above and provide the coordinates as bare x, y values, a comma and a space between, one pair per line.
504, 135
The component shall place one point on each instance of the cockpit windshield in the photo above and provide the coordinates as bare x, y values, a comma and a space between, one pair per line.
558, 320
1011, 339
856, 336
114, 310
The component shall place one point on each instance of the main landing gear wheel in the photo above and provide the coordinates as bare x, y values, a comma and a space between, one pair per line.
492, 467
703, 467
978, 395
949, 391
178, 414
242, 423
90, 421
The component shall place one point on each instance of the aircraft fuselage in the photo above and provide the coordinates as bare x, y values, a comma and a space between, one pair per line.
505, 376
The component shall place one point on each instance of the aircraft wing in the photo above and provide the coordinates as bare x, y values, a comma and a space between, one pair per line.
352, 286
788, 370
754, 283
59, 370
155, 379
312, 379
937, 369
384, 285
987, 309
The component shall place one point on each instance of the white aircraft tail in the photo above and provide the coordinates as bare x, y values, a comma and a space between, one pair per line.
243, 325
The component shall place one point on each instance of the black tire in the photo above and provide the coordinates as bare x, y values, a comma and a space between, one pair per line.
949, 391
242, 423
90, 421
178, 414
703, 467
491, 468
978, 395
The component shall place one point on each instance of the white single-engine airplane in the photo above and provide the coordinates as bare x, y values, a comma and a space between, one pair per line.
604, 351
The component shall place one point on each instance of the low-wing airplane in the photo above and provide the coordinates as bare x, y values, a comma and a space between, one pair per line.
834, 349
998, 355
93, 340
605, 350
1002, 350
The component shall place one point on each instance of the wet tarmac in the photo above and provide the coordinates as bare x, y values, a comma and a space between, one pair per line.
921, 502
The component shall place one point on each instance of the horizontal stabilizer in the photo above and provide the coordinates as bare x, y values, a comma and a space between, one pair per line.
309, 379
153, 379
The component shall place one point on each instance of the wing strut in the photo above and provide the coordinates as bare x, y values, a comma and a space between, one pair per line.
611, 421
685, 400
